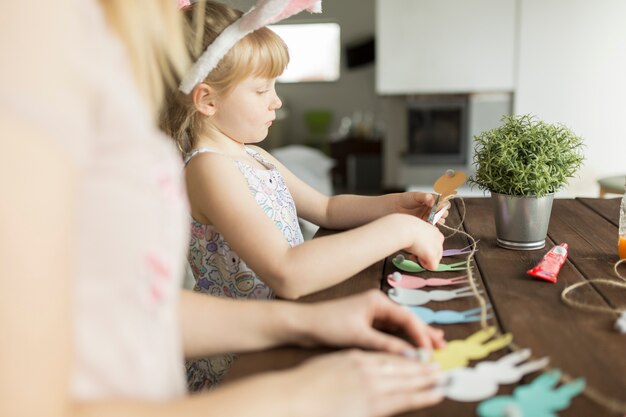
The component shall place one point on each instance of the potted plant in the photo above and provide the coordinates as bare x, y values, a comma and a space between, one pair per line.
523, 163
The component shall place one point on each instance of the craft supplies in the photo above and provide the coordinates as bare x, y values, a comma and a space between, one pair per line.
458, 353
413, 297
438, 215
482, 381
406, 265
457, 252
620, 323
445, 186
540, 398
429, 316
398, 280
550, 265
433, 210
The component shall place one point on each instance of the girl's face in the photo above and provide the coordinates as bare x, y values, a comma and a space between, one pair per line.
246, 113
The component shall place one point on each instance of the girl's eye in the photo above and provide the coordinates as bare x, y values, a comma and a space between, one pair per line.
263, 91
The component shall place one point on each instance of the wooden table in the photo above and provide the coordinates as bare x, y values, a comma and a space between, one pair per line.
578, 342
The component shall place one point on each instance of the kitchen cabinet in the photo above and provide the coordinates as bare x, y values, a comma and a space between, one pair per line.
445, 46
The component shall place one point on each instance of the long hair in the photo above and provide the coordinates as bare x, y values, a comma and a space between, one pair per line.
153, 33
261, 53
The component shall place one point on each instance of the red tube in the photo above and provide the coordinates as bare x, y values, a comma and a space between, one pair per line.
551, 263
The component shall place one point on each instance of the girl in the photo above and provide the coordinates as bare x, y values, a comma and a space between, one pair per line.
93, 234
246, 242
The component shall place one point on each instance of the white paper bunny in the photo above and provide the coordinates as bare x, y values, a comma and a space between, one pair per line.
482, 381
414, 297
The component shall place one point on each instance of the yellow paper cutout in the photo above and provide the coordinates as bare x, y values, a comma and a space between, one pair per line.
459, 352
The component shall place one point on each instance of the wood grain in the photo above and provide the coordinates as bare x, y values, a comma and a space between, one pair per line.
581, 343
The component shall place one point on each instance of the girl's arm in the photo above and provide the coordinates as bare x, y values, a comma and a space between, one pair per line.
220, 194
347, 211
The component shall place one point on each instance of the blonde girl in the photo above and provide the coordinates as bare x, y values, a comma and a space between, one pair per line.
245, 239
93, 235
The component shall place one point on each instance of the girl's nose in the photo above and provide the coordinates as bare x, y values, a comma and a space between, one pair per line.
276, 102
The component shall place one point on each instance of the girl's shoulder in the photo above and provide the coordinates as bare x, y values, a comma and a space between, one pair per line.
255, 150
206, 164
201, 151
262, 156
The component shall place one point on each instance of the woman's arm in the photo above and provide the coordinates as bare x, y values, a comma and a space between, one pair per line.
252, 325
36, 212
351, 383
35, 319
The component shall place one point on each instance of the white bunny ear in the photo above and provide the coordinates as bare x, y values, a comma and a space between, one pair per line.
264, 13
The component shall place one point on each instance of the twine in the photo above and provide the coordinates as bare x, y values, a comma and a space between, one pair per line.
593, 394
617, 406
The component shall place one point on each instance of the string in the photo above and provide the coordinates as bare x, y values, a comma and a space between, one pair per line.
482, 302
593, 394
600, 398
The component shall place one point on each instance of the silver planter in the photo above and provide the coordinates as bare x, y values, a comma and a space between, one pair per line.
522, 222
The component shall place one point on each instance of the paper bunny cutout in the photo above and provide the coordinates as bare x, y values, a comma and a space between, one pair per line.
264, 13
447, 316
412, 297
457, 252
620, 323
457, 353
482, 381
540, 398
406, 265
398, 280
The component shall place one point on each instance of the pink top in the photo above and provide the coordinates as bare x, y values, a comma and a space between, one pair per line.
132, 221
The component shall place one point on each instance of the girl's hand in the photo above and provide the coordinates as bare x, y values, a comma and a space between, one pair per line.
427, 243
356, 383
419, 205
351, 321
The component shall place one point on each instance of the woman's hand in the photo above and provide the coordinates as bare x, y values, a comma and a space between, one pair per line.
354, 321
419, 205
356, 383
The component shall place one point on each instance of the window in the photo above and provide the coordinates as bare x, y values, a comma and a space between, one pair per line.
314, 49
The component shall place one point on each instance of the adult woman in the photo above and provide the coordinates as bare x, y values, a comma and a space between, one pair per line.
93, 232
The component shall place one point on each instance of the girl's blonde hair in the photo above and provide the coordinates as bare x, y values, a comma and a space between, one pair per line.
153, 33
261, 53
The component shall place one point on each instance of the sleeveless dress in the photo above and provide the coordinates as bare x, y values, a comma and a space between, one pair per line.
219, 271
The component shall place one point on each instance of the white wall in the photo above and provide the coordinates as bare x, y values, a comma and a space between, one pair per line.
572, 70
444, 46
355, 88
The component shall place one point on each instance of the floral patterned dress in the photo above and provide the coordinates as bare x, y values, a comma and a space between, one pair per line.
219, 271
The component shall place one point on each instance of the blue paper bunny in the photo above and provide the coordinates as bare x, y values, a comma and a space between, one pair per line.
537, 399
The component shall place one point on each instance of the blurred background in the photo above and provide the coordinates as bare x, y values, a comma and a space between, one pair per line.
398, 88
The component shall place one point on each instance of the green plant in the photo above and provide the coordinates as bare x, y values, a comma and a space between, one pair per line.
525, 157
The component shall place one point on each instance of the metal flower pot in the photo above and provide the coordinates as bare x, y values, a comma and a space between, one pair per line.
522, 222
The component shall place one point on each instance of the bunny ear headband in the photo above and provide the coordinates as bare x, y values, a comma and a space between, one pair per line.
264, 13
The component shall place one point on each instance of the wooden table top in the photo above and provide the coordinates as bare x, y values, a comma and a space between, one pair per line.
582, 344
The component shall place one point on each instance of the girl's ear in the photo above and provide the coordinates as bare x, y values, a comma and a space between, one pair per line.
204, 99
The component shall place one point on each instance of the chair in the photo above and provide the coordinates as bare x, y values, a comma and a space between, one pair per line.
612, 185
